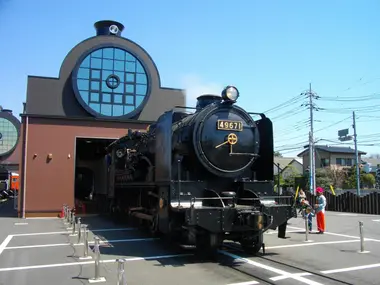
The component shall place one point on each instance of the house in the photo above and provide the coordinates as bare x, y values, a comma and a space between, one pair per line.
370, 165
330, 156
288, 166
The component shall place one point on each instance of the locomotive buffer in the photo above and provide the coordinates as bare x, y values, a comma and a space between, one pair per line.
201, 178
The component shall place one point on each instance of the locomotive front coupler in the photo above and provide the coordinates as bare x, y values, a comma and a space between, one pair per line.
256, 220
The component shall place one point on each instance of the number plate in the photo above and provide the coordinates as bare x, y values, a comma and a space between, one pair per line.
229, 125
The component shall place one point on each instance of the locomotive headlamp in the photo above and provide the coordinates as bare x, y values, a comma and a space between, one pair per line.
230, 93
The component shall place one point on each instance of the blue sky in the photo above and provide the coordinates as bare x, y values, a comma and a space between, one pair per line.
270, 50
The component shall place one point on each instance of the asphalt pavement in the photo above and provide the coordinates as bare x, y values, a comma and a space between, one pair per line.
43, 251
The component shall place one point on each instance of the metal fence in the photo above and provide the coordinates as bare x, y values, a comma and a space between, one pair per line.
350, 202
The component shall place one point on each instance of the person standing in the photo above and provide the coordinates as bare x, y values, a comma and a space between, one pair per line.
320, 210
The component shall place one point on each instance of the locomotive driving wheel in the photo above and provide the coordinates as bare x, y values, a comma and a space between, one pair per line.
252, 245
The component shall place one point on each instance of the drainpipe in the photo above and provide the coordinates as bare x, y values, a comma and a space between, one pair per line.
24, 170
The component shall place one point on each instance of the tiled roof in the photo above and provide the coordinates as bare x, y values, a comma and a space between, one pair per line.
333, 149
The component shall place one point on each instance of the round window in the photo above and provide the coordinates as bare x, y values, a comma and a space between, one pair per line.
8, 136
111, 82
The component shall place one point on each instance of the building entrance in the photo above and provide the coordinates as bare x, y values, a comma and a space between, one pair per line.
91, 164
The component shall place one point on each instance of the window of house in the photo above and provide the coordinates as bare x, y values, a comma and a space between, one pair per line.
344, 161
325, 162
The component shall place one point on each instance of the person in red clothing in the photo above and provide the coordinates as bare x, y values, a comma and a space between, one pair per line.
320, 210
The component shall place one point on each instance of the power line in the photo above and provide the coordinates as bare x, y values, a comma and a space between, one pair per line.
284, 104
374, 96
329, 126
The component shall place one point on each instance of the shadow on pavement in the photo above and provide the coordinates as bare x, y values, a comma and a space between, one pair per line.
7, 209
123, 244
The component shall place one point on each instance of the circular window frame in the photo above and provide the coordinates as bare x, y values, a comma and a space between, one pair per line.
74, 77
16, 123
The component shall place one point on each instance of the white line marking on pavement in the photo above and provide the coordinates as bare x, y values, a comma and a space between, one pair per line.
275, 232
91, 262
68, 232
40, 234
310, 244
282, 277
270, 268
347, 214
375, 220
43, 218
20, 224
351, 268
245, 283
5, 242
90, 242
342, 235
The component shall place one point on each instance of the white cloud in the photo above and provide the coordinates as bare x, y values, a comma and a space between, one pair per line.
195, 87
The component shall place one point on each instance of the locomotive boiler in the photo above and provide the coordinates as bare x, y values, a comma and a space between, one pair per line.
202, 177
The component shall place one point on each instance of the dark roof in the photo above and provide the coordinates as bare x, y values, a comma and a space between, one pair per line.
333, 149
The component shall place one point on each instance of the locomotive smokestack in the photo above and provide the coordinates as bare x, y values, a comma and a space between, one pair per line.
204, 100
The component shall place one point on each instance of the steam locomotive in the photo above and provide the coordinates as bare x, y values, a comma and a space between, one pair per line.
202, 177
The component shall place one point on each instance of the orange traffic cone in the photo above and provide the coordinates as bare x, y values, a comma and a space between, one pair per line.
62, 214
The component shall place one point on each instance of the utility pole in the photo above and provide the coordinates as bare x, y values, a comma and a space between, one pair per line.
311, 142
356, 156
311, 176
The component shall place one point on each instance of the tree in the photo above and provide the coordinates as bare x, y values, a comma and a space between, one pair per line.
282, 182
291, 175
366, 179
337, 176
277, 154
322, 178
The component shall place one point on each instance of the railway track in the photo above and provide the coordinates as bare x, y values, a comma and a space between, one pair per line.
264, 269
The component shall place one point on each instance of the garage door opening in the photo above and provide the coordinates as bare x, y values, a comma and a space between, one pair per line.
91, 164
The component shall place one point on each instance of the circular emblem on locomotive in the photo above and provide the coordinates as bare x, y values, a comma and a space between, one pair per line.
225, 136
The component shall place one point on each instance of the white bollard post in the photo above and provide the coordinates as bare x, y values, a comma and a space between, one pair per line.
361, 238
121, 278
73, 223
79, 230
69, 220
85, 241
97, 277
306, 216
66, 214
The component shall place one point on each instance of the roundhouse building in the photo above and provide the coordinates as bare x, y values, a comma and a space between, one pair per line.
9, 147
106, 85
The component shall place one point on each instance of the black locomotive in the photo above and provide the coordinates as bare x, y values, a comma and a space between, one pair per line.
200, 178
